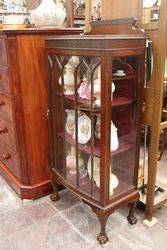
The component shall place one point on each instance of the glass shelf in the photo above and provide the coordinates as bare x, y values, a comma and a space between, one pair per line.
123, 145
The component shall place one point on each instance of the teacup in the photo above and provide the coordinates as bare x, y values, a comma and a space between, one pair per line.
120, 72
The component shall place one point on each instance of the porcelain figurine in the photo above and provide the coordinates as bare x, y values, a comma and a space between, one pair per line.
97, 88
47, 14
84, 91
70, 123
96, 174
69, 81
71, 161
114, 143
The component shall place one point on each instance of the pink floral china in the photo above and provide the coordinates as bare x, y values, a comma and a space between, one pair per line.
84, 89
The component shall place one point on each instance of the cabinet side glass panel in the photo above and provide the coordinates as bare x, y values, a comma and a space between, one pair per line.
79, 92
124, 124
57, 114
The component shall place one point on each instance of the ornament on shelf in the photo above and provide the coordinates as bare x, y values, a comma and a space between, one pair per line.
97, 88
120, 72
70, 123
14, 6
14, 13
47, 14
96, 174
114, 143
71, 163
84, 91
84, 129
69, 81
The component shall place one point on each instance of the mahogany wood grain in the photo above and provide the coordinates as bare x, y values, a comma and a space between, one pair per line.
10, 158
25, 112
6, 107
4, 79
7, 133
3, 52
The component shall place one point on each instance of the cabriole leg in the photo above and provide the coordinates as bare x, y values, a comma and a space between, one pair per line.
131, 218
102, 237
55, 196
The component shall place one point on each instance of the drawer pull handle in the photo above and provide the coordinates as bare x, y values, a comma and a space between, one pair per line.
6, 156
2, 103
3, 131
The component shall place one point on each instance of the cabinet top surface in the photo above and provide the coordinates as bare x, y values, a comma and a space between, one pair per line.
95, 37
49, 30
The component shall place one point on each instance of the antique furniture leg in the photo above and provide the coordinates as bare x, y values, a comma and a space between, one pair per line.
102, 217
131, 218
55, 196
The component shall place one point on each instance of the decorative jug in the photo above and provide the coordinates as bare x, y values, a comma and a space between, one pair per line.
47, 14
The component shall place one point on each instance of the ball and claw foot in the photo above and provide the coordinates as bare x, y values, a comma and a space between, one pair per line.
132, 220
54, 197
102, 239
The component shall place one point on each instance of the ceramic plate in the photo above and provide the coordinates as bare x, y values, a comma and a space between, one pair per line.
84, 129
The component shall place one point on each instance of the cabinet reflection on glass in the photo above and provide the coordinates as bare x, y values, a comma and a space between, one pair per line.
96, 101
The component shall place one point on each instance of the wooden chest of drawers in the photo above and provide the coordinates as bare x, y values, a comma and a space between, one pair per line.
24, 124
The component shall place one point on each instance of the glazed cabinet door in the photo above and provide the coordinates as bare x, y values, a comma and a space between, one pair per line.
76, 84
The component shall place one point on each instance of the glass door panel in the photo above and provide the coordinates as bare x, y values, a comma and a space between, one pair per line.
80, 94
124, 99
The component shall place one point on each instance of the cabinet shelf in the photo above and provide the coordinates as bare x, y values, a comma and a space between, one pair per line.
85, 105
121, 78
123, 146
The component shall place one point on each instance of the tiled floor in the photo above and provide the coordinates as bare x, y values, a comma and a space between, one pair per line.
68, 224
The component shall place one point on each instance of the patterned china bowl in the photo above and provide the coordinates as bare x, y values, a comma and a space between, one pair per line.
13, 18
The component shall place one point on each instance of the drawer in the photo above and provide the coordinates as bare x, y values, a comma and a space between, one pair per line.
6, 107
4, 79
7, 133
9, 158
3, 52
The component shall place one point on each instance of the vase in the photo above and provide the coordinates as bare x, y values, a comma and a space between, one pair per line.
47, 14
68, 76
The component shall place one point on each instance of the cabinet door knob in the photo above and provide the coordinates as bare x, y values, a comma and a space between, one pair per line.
3, 130
6, 156
2, 103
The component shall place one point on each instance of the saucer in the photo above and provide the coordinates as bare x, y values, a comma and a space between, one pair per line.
118, 74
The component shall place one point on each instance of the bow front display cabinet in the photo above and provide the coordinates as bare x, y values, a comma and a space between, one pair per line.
96, 85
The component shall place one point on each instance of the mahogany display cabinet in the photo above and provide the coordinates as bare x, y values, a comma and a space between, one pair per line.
96, 85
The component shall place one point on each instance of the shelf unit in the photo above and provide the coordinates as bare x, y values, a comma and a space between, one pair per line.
96, 139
